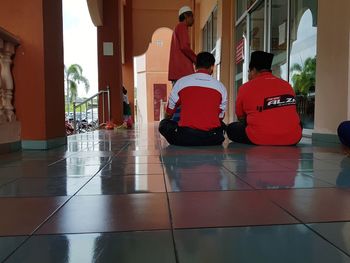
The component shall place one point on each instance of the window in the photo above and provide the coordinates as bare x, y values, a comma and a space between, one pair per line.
209, 33
242, 6
279, 31
303, 42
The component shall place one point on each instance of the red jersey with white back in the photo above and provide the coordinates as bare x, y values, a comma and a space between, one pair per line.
203, 101
268, 103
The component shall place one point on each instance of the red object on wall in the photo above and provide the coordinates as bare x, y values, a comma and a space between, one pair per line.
240, 51
159, 93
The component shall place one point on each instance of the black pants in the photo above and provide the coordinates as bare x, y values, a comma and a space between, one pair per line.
236, 133
184, 136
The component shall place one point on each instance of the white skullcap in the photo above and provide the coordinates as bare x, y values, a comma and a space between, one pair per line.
184, 9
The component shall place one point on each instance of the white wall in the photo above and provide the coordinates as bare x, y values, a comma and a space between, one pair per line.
141, 89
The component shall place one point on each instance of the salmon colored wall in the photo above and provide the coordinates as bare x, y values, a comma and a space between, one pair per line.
333, 65
33, 82
157, 55
110, 67
148, 16
157, 61
128, 66
206, 7
196, 29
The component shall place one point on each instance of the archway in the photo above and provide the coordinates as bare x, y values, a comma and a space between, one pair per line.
151, 77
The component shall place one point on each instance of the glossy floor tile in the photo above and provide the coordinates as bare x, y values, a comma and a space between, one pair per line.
118, 169
281, 180
314, 205
269, 244
134, 247
22, 216
339, 178
109, 185
217, 209
55, 170
8, 245
51, 186
336, 233
182, 180
89, 214
127, 196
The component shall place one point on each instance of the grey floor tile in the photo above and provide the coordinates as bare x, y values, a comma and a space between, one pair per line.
133, 247
8, 245
49, 186
271, 244
336, 233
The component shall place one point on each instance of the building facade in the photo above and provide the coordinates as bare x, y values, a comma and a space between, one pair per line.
299, 33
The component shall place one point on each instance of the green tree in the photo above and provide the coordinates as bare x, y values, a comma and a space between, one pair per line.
304, 76
73, 76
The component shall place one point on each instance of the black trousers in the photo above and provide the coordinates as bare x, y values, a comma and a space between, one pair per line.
184, 136
236, 133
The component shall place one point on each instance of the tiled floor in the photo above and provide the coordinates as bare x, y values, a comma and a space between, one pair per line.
127, 196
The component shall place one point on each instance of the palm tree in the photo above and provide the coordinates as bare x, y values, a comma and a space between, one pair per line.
304, 77
73, 75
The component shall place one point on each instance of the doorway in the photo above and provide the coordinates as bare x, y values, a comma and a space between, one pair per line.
159, 96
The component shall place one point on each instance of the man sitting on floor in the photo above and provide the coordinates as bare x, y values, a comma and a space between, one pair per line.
203, 102
265, 107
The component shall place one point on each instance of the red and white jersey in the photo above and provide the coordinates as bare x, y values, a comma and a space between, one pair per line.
203, 101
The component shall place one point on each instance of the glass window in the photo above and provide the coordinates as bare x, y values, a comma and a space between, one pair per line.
241, 7
279, 31
205, 38
303, 41
215, 26
257, 22
241, 75
210, 34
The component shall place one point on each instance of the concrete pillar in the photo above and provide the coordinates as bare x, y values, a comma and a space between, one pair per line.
226, 8
128, 65
37, 70
109, 56
333, 68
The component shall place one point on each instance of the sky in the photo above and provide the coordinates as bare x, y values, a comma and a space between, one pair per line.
80, 42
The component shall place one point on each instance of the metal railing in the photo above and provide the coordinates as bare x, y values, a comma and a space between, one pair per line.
80, 127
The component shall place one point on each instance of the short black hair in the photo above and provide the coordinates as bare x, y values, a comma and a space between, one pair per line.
182, 16
205, 60
261, 61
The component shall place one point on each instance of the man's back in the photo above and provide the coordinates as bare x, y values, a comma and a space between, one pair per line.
203, 101
270, 109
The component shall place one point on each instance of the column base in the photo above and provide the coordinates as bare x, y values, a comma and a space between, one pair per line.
10, 137
43, 144
325, 138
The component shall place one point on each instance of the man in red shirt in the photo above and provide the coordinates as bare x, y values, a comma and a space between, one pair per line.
265, 107
182, 56
203, 102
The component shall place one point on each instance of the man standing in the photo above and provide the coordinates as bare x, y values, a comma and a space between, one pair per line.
203, 102
182, 56
265, 107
